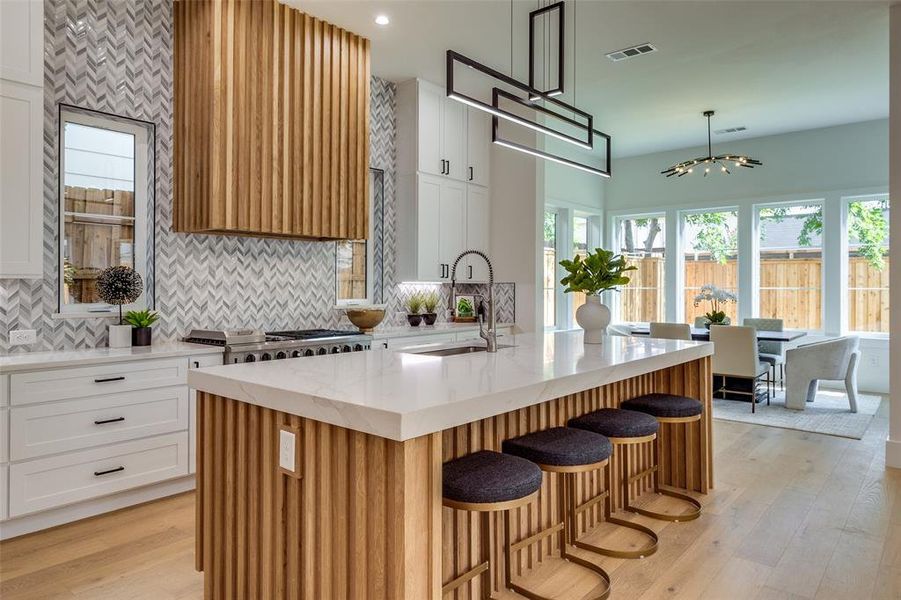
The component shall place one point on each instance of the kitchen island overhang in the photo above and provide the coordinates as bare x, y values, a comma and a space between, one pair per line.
362, 517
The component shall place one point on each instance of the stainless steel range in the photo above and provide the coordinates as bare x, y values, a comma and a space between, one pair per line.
251, 345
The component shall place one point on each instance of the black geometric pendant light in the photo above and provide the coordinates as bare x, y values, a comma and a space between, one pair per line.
526, 105
722, 161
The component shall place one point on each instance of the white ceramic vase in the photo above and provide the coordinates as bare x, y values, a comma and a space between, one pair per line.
594, 318
120, 336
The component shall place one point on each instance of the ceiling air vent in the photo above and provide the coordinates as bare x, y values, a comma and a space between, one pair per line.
631, 52
731, 130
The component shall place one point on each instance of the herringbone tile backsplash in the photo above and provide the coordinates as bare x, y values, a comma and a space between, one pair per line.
116, 56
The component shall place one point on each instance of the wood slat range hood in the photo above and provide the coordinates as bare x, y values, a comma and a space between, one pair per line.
271, 122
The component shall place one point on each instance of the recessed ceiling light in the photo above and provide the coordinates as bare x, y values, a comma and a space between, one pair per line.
382, 20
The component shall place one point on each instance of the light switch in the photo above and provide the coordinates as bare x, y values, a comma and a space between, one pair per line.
287, 444
288, 451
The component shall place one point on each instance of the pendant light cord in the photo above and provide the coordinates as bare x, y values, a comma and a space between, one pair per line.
511, 38
709, 143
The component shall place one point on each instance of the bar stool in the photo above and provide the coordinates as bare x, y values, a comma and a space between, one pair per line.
486, 482
567, 452
626, 427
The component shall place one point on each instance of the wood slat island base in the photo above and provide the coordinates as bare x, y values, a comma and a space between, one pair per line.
363, 516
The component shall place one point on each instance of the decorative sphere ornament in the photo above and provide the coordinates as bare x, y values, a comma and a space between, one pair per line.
119, 285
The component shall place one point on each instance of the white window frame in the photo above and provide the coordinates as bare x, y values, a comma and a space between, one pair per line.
565, 216
845, 262
754, 249
616, 246
679, 275
370, 266
141, 175
558, 289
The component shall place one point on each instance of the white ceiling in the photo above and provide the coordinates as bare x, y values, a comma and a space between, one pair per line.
773, 67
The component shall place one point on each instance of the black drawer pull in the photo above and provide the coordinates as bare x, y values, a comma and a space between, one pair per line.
108, 471
105, 421
107, 379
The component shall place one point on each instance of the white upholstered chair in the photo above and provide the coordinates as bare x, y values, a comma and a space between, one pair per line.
671, 331
735, 357
771, 352
835, 359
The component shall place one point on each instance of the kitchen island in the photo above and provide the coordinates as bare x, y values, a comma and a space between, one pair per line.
356, 510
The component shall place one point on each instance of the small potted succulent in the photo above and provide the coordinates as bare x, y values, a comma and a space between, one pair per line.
141, 321
599, 271
414, 307
718, 298
117, 286
430, 305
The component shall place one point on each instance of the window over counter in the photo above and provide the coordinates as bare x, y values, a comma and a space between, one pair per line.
710, 254
642, 240
580, 248
868, 264
791, 264
359, 263
106, 205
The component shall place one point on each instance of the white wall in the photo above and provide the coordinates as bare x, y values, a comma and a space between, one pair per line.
516, 222
804, 163
893, 444
826, 164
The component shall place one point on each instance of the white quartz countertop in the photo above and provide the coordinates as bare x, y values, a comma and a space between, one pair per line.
401, 395
382, 333
55, 359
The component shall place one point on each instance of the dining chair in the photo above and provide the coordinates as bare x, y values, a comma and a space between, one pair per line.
770, 352
834, 359
735, 356
670, 331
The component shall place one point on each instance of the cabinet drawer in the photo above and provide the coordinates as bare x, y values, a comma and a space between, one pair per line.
4, 435
42, 429
44, 483
4, 492
60, 384
4, 390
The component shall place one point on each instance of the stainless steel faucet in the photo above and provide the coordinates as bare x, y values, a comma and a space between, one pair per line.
489, 335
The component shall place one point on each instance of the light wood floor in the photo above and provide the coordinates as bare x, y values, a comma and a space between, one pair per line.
794, 515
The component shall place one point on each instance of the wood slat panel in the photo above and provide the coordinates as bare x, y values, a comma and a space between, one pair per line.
365, 519
271, 130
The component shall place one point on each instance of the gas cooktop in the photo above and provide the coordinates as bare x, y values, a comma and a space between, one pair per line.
310, 334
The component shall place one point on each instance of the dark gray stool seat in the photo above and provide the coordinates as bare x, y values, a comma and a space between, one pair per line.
617, 423
486, 477
560, 447
664, 406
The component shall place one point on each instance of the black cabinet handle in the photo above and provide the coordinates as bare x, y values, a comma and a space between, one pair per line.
108, 471
470, 271
443, 167
108, 379
470, 173
196, 364
105, 421
448, 167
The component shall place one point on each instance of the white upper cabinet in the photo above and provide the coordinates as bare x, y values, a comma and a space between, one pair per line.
477, 221
453, 139
443, 150
430, 121
22, 41
478, 151
440, 136
21, 142
21, 184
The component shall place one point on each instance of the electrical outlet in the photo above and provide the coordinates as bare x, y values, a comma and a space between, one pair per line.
287, 450
874, 361
19, 337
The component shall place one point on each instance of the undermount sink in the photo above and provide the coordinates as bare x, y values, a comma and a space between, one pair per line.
456, 350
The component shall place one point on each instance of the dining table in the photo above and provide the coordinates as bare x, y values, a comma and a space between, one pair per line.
703, 334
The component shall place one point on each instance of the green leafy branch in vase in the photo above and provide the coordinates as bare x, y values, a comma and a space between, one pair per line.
599, 271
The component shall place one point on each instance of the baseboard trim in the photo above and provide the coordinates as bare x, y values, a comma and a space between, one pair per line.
90, 508
893, 453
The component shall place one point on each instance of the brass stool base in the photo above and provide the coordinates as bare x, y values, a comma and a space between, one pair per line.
690, 516
612, 552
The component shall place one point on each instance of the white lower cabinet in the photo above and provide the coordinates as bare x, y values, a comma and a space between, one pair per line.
63, 479
42, 429
70, 436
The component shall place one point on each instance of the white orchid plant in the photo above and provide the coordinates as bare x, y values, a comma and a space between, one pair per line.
718, 298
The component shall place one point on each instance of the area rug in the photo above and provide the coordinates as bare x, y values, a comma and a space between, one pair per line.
828, 414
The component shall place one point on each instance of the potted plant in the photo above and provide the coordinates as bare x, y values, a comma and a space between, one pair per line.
599, 271
718, 298
117, 286
414, 306
140, 321
430, 305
